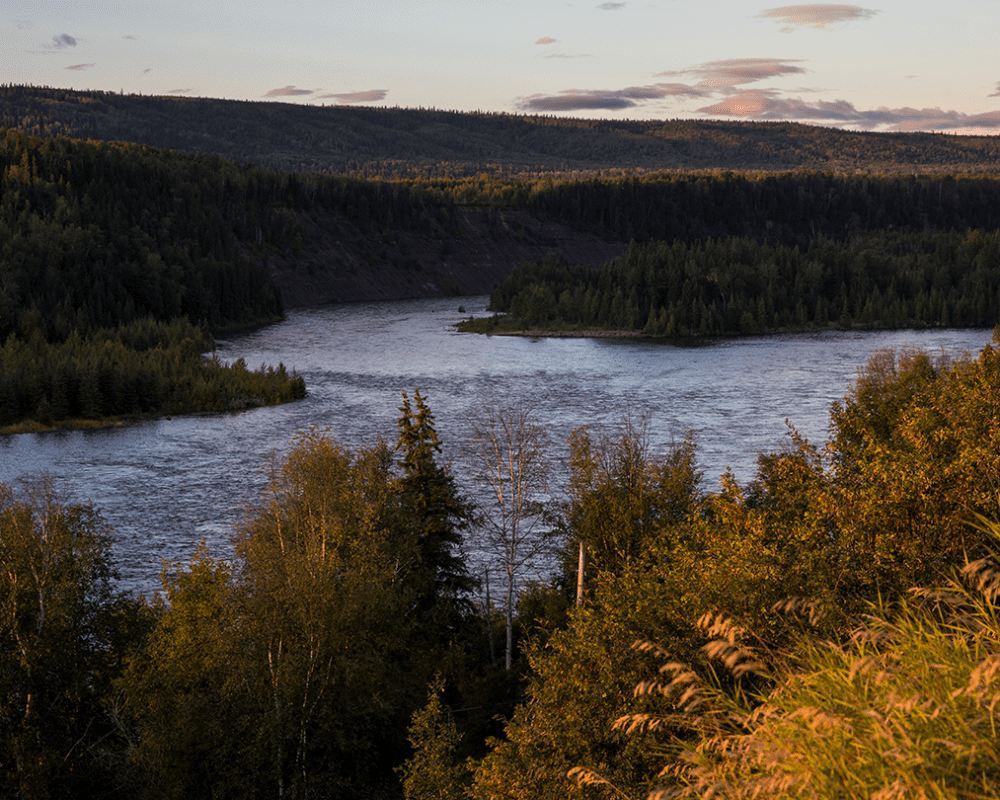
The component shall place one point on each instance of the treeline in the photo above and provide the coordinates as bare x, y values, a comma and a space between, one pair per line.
881, 280
391, 143
143, 367
790, 208
343, 652
115, 263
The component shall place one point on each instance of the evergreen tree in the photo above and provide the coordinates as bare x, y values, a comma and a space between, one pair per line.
432, 514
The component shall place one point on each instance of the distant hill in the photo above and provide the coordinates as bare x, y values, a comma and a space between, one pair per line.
394, 142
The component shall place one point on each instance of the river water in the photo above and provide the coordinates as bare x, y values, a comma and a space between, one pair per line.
165, 485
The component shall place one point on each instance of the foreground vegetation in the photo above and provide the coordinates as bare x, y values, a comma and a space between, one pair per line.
346, 652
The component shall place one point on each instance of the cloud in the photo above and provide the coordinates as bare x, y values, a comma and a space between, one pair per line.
816, 15
997, 92
61, 41
546, 40
23, 24
764, 104
370, 96
179, 91
80, 66
148, 69
611, 6
607, 100
567, 55
128, 36
288, 91
737, 71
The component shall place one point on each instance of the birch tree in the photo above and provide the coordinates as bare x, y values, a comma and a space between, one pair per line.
510, 454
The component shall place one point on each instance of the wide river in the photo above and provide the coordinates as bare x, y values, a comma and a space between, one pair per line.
168, 484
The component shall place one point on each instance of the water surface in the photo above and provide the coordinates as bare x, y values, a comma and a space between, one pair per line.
166, 485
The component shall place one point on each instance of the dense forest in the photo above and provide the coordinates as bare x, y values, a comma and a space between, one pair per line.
743, 254
885, 280
398, 142
116, 264
761, 640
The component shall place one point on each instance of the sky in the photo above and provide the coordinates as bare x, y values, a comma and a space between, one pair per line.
894, 65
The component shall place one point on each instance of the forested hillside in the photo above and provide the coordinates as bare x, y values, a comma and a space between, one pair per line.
116, 263
745, 254
391, 142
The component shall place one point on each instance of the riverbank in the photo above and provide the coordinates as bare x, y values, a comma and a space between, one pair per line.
500, 325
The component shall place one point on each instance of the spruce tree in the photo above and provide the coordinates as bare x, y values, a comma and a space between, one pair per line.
431, 512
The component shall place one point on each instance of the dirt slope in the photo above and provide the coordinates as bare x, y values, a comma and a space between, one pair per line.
338, 264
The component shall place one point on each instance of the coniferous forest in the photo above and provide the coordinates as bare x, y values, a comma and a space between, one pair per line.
117, 264
828, 630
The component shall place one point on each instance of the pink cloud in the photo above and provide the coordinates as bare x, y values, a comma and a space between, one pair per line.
608, 100
546, 40
736, 71
766, 105
816, 15
370, 96
288, 91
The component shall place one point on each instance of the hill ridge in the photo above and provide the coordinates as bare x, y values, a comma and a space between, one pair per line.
400, 142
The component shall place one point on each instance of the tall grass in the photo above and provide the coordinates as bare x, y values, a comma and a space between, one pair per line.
906, 708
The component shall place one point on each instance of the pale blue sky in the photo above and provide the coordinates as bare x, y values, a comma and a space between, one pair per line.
888, 65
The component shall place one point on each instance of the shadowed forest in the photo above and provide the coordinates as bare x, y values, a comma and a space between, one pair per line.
828, 630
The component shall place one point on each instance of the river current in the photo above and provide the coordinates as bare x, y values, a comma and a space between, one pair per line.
168, 484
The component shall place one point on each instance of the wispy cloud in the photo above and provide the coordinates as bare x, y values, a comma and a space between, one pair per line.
180, 91
738, 71
288, 91
80, 66
767, 105
61, 41
997, 92
608, 100
568, 55
369, 96
546, 40
148, 69
611, 6
129, 36
716, 77
816, 15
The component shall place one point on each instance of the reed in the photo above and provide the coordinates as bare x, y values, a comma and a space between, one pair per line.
907, 707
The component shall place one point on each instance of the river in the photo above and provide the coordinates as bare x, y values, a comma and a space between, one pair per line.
168, 484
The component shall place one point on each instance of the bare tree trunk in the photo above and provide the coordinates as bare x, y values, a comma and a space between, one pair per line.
511, 454
489, 620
